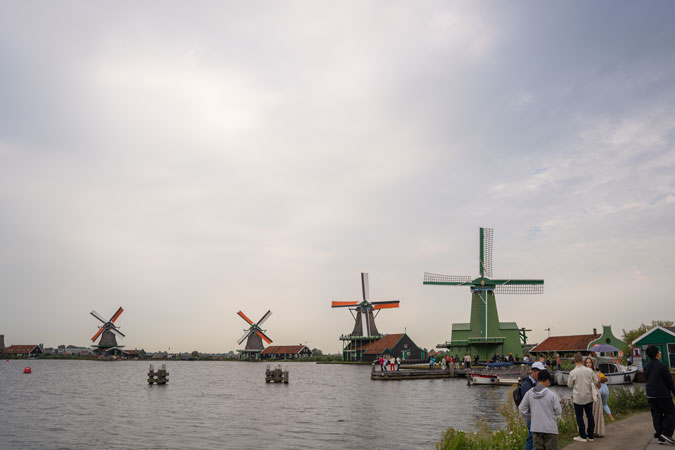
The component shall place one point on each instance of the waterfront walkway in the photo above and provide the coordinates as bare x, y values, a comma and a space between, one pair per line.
635, 432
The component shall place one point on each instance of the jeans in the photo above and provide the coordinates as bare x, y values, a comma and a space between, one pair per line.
579, 411
604, 394
663, 415
529, 444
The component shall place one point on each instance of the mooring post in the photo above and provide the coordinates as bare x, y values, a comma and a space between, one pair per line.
151, 375
285, 376
162, 375
452, 371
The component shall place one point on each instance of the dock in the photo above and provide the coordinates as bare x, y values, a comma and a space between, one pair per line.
419, 372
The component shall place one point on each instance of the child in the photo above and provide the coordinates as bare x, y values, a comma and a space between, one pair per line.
541, 406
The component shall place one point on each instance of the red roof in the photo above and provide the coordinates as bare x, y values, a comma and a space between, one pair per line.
575, 343
18, 349
282, 350
379, 346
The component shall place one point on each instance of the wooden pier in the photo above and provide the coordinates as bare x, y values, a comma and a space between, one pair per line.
418, 372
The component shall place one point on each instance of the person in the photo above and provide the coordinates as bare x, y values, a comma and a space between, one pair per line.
467, 361
398, 363
598, 416
541, 408
557, 361
431, 362
528, 383
475, 358
392, 364
604, 394
448, 361
581, 380
659, 390
510, 357
526, 358
381, 363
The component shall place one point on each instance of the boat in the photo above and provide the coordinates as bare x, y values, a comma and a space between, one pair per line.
501, 373
617, 373
484, 378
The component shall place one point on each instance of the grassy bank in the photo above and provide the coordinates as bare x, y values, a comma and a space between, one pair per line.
623, 402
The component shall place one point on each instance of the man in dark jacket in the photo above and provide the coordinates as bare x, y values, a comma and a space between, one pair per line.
659, 390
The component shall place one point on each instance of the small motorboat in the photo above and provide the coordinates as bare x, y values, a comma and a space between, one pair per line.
617, 373
484, 378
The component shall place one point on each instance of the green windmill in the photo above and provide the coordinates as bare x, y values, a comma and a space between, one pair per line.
485, 335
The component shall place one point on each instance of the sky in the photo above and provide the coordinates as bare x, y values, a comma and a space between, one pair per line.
187, 160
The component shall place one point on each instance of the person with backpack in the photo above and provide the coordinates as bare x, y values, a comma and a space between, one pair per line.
519, 393
541, 408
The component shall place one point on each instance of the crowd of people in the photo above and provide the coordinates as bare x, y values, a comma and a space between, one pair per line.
540, 407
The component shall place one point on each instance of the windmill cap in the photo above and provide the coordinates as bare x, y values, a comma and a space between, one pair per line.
539, 366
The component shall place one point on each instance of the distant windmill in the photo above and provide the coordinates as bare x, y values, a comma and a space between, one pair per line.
255, 336
485, 335
364, 319
548, 330
108, 331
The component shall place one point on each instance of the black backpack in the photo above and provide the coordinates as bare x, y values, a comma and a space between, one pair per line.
518, 394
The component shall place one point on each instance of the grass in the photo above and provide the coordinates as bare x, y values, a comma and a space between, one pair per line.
623, 402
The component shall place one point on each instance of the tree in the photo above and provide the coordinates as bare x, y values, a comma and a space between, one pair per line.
630, 335
317, 352
195, 354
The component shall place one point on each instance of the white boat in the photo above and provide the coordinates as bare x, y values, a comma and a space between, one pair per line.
616, 373
560, 377
484, 378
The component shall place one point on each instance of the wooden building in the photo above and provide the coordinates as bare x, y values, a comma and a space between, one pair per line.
608, 338
23, 351
565, 346
285, 352
392, 345
662, 338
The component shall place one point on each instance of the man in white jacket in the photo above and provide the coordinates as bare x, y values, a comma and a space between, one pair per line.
581, 381
541, 406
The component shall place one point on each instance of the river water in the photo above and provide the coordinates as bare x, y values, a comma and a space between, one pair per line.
227, 405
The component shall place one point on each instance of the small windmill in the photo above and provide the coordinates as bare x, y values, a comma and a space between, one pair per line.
108, 331
364, 313
485, 335
255, 336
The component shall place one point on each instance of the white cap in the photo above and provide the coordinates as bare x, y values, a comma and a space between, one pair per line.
539, 366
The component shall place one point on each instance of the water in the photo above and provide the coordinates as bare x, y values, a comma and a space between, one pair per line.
227, 405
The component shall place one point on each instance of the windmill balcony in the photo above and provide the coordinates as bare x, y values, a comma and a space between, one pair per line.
488, 340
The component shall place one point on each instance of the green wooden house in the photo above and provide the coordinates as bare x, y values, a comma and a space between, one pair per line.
662, 338
608, 338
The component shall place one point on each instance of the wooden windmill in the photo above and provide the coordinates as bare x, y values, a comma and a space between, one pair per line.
108, 332
364, 313
255, 337
485, 335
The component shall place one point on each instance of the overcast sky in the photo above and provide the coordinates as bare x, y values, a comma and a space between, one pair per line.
185, 160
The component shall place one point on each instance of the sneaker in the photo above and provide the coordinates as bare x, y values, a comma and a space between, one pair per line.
668, 439
661, 441
580, 439
590, 439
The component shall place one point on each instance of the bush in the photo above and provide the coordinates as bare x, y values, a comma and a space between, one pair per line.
625, 400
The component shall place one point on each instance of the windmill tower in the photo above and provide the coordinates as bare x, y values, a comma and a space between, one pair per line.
364, 313
108, 332
485, 335
255, 335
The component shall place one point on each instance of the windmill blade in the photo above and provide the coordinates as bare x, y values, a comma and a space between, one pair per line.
265, 317
486, 252
117, 332
97, 315
98, 333
519, 286
243, 316
365, 286
451, 280
385, 305
343, 304
244, 337
117, 314
262, 335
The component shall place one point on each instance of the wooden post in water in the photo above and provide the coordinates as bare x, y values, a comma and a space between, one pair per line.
452, 371
151, 375
162, 375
